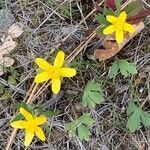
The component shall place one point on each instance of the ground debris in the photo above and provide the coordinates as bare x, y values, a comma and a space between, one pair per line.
8, 31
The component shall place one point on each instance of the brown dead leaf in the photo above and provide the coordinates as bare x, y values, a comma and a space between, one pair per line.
8, 45
15, 31
111, 47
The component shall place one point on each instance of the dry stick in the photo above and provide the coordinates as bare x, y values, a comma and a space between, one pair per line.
32, 93
27, 94
41, 90
15, 130
11, 139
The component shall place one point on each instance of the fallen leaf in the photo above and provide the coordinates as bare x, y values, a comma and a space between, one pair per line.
111, 47
15, 31
8, 45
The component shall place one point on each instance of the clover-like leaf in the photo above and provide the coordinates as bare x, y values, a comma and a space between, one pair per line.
92, 94
122, 66
126, 68
86, 119
84, 133
136, 117
80, 126
113, 71
134, 120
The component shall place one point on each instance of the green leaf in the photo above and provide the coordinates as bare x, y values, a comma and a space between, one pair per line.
126, 68
134, 120
28, 107
136, 116
12, 80
18, 117
100, 30
131, 108
80, 124
71, 128
47, 128
12, 71
118, 5
101, 19
108, 11
50, 113
134, 8
18, 105
113, 71
86, 119
1, 88
92, 94
145, 118
6, 95
84, 133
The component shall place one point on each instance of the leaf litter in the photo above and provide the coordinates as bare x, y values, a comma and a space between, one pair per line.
8, 36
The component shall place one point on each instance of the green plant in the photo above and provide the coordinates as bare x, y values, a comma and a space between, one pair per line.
12, 78
80, 127
118, 6
92, 94
136, 116
122, 66
102, 19
33, 109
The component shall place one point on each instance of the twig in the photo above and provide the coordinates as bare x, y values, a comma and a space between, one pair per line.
32, 94
41, 90
27, 94
13, 134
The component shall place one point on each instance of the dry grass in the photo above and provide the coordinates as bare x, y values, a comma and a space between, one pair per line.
45, 27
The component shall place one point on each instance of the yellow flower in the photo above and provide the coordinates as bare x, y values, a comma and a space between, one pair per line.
54, 72
119, 26
31, 126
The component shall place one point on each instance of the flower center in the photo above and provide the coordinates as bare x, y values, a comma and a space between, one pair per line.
54, 72
119, 26
31, 126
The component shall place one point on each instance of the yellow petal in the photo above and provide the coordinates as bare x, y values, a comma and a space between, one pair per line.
119, 36
68, 72
19, 124
43, 64
59, 60
123, 16
108, 30
111, 19
128, 27
28, 138
28, 116
39, 133
56, 82
40, 120
41, 77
